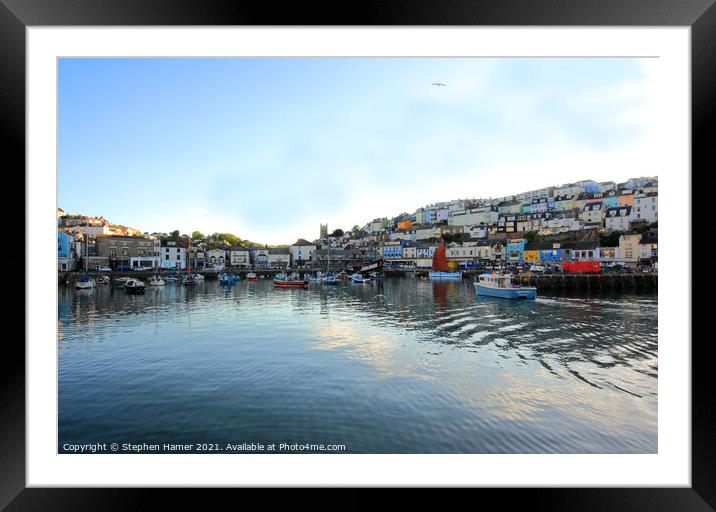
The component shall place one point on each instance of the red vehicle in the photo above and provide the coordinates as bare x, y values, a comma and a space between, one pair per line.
583, 267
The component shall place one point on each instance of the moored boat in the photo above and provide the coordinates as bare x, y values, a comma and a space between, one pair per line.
84, 283
445, 275
191, 280
292, 281
156, 280
226, 278
441, 270
330, 278
103, 279
134, 286
121, 281
500, 285
359, 278
251, 276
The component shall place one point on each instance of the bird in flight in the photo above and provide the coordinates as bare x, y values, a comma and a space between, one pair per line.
439, 84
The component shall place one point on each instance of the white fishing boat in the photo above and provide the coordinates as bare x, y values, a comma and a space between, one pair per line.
359, 278
198, 277
191, 280
121, 281
84, 283
500, 285
103, 279
134, 286
156, 280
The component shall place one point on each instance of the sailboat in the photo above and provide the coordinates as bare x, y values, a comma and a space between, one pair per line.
329, 277
440, 265
156, 280
85, 282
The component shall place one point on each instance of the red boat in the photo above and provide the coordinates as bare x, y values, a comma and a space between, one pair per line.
281, 281
252, 277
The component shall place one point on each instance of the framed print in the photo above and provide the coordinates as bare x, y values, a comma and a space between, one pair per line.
416, 248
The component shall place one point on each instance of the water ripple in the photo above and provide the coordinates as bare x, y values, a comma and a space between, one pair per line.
398, 366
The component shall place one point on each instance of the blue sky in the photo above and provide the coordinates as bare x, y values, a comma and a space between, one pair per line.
269, 148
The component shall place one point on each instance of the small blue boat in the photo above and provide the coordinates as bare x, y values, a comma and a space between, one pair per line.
496, 285
435, 274
228, 278
330, 278
359, 278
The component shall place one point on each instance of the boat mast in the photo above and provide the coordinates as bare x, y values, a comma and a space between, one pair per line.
86, 240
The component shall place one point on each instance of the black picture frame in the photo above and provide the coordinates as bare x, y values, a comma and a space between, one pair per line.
16, 15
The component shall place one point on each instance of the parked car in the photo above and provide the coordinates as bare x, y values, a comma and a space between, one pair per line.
140, 268
537, 268
103, 268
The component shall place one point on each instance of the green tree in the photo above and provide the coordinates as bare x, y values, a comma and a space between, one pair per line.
337, 232
609, 239
197, 235
175, 234
452, 237
531, 236
231, 239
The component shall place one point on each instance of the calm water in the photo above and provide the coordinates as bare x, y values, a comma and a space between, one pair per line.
406, 365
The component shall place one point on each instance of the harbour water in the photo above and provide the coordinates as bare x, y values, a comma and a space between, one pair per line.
398, 366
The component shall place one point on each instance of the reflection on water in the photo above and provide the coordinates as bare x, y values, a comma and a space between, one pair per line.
394, 367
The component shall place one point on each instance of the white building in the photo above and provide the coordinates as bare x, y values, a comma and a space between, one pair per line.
172, 254
646, 207
535, 194
617, 218
216, 258
302, 252
476, 231
93, 230
239, 256
279, 257
259, 256
606, 186
426, 232
592, 213
485, 215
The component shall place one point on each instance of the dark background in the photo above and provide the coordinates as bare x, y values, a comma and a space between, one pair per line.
15, 15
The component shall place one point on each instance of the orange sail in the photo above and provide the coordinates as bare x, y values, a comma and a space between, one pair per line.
440, 263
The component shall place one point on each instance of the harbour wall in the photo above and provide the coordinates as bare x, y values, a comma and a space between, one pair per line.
566, 281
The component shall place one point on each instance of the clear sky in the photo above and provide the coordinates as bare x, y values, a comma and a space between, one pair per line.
269, 148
